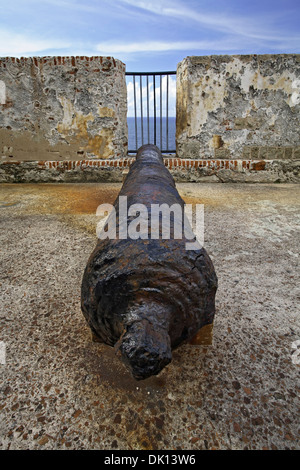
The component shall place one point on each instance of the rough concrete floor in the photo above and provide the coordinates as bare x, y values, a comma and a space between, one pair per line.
59, 390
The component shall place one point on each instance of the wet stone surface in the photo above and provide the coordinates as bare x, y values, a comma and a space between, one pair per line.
59, 390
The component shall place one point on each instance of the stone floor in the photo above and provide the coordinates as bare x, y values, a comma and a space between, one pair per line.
59, 390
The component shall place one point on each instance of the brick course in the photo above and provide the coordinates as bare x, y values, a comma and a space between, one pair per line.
184, 170
170, 163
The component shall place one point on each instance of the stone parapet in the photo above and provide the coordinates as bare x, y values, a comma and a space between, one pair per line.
183, 170
62, 108
240, 106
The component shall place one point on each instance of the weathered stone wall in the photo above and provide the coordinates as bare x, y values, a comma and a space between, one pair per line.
244, 107
62, 108
64, 119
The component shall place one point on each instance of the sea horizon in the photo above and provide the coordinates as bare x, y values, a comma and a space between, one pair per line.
164, 142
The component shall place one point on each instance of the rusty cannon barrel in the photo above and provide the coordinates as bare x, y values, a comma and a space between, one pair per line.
143, 291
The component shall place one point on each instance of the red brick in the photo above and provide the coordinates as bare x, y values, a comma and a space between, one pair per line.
257, 166
236, 427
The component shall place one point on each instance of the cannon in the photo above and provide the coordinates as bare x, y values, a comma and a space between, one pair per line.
145, 293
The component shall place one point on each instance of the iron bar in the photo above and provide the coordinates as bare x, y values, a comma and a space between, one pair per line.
132, 74
148, 121
135, 115
154, 101
160, 110
167, 114
142, 118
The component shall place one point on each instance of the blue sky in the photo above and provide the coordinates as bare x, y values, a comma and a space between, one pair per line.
149, 35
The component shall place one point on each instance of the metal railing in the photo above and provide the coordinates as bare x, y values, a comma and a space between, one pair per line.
151, 110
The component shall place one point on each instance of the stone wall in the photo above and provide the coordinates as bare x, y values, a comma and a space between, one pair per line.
65, 119
62, 108
244, 107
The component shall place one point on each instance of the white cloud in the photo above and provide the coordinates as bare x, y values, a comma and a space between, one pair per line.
16, 44
109, 47
178, 10
262, 27
55, 5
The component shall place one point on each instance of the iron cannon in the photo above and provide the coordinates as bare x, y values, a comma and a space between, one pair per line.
142, 292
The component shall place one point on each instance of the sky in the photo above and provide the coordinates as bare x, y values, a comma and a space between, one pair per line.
152, 35
148, 36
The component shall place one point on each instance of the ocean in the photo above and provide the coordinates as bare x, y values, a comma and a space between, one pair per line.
164, 145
